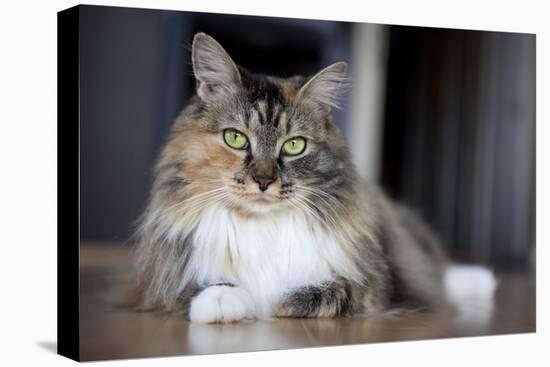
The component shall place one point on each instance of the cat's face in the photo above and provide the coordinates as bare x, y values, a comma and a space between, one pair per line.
265, 143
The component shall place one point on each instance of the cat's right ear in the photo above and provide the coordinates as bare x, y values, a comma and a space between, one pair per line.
322, 90
215, 72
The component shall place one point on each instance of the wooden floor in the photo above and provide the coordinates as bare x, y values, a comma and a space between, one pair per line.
107, 332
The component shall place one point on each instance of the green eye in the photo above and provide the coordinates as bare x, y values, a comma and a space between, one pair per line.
294, 146
235, 139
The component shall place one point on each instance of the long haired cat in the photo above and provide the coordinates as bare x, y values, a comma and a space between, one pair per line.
257, 211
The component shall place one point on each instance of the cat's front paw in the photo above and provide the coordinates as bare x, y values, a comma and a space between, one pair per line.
222, 303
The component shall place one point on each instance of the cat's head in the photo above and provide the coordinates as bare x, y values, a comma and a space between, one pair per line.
264, 143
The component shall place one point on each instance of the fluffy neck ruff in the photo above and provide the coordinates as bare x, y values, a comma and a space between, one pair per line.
267, 255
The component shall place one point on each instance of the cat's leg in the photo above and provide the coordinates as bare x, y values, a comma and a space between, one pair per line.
221, 303
330, 299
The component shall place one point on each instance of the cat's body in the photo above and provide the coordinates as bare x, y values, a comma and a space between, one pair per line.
257, 210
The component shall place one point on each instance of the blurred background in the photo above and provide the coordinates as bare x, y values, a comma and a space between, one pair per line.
443, 120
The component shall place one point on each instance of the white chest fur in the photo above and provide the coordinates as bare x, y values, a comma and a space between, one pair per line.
267, 256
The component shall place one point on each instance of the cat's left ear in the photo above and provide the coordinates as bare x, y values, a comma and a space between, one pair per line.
323, 88
215, 72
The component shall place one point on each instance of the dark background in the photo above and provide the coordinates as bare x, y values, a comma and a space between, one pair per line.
458, 120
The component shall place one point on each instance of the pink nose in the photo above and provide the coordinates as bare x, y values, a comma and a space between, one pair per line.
263, 181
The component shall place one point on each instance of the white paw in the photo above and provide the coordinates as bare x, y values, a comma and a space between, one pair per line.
222, 303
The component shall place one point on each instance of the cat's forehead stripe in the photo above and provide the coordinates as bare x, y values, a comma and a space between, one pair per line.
283, 121
260, 108
276, 113
268, 111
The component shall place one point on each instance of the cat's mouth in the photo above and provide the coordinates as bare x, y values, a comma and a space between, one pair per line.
254, 200
259, 197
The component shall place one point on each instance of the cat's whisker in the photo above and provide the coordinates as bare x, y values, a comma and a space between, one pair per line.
289, 200
307, 209
328, 203
227, 201
314, 207
324, 200
200, 200
194, 197
199, 181
198, 206
335, 224
188, 203
319, 192
193, 214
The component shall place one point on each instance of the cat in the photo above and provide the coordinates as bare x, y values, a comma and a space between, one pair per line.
257, 211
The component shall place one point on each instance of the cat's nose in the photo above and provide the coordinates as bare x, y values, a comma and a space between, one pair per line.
263, 181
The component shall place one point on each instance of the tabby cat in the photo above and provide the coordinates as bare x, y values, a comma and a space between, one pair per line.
257, 210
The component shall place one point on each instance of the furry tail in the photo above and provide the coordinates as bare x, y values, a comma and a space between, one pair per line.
471, 288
